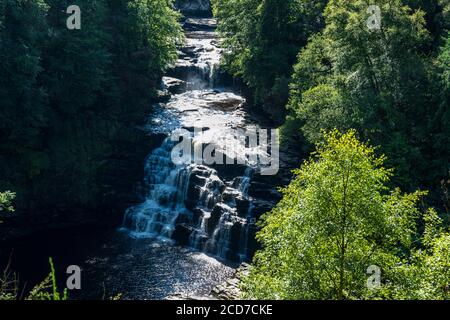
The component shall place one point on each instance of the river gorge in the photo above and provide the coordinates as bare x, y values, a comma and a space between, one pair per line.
193, 223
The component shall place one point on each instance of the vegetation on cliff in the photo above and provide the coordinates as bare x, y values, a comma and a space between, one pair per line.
341, 233
336, 64
262, 40
334, 70
70, 100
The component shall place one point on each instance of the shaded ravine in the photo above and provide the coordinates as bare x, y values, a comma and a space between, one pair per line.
206, 207
195, 222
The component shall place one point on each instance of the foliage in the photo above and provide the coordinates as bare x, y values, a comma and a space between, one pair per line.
262, 39
337, 218
439, 126
6, 199
48, 289
379, 82
70, 99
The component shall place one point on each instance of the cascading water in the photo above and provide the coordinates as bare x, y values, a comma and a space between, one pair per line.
208, 207
194, 204
167, 187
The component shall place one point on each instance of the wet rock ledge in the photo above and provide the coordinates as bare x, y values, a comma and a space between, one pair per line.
194, 7
229, 290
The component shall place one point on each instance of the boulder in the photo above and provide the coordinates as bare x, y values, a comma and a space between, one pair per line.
194, 7
174, 85
197, 24
163, 96
242, 206
182, 234
192, 197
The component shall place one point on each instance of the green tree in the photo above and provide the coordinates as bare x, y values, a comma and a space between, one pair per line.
375, 81
262, 39
23, 110
70, 100
6, 199
439, 125
336, 218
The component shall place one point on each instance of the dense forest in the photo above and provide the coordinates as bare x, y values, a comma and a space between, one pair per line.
365, 94
316, 66
70, 100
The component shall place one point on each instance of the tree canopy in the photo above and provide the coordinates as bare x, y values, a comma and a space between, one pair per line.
70, 99
337, 221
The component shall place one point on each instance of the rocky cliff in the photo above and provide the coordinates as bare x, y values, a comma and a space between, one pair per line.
194, 7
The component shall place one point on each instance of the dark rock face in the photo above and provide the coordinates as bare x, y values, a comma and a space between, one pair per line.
227, 104
217, 212
182, 233
229, 290
194, 7
174, 85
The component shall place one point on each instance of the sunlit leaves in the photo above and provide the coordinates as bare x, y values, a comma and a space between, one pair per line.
375, 81
336, 219
6, 199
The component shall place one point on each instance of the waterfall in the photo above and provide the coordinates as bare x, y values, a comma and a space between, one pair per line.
213, 70
164, 202
194, 204
168, 189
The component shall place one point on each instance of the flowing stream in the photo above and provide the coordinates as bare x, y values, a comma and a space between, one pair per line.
205, 207
195, 223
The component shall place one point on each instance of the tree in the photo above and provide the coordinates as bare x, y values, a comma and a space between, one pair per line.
6, 199
379, 79
262, 39
70, 100
23, 110
426, 274
336, 219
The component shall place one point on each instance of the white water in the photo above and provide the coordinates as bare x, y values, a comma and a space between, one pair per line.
212, 221
167, 186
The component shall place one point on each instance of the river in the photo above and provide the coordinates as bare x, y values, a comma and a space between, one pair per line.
195, 223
